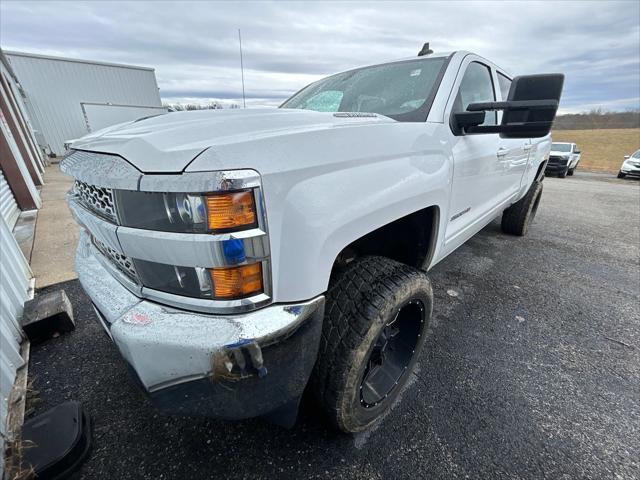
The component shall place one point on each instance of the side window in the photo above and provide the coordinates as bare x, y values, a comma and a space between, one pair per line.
505, 84
476, 86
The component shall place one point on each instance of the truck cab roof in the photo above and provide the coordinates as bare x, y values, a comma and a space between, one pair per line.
458, 54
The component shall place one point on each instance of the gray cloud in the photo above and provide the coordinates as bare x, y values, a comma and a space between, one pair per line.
194, 46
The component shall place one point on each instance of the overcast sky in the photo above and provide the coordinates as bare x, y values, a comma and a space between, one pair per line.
194, 47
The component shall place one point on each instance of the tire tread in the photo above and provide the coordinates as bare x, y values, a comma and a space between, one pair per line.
516, 217
356, 297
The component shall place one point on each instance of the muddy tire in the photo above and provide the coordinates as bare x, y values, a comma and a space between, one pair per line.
376, 317
517, 218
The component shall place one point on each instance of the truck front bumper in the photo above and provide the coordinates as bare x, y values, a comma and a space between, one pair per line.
225, 366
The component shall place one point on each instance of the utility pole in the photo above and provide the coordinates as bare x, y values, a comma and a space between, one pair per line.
244, 102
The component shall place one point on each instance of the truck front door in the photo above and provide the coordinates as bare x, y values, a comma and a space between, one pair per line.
478, 169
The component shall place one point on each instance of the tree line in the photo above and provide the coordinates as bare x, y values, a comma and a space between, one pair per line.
596, 119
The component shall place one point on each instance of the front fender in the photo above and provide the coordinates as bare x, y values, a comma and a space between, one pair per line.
324, 214
313, 216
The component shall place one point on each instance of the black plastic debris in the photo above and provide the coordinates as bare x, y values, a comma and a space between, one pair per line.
47, 315
61, 439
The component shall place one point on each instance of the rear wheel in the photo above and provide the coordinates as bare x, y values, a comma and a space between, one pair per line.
517, 218
375, 322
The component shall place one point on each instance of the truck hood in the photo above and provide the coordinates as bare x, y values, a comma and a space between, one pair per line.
168, 143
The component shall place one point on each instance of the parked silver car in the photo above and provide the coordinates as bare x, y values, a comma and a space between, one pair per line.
631, 165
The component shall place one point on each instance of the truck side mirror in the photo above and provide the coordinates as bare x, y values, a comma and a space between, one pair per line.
466, 120
529, 110
576, 151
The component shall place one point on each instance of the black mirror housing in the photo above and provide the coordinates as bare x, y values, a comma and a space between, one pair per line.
463, 121
529, 110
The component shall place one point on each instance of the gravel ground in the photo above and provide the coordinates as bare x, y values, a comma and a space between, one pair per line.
531, 370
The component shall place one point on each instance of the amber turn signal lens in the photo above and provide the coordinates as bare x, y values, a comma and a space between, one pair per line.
237, 282
226, 211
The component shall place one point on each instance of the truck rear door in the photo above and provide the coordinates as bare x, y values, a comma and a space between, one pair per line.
514, 152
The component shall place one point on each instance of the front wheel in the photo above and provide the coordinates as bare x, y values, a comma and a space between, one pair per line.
570, 172
376, 318
621, 175
564, 173
517, 218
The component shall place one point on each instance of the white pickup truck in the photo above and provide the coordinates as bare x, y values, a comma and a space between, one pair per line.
563, 159
234, 256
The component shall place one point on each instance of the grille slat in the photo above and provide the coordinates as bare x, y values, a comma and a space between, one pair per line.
97, 199
124, 263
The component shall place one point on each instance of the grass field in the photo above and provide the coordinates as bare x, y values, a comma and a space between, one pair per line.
603, 149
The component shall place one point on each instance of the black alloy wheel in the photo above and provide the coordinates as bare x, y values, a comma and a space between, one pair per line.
392, 353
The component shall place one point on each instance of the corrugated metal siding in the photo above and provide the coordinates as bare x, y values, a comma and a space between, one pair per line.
8, 207
13, 117
15, 277
18, 96
20, 162
57, 87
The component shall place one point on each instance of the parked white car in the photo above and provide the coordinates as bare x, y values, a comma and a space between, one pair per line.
235, 255
563, 159
630, 165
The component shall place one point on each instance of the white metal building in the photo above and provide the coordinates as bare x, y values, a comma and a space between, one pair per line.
67, 98
21, 169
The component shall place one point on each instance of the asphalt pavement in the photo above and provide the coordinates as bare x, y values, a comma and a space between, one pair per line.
531, 370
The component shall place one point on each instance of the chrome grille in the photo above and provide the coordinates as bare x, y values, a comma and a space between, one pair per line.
96, 199
558, 161
124, 263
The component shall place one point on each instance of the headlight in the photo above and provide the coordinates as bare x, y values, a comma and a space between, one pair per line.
208, 213
226, 283
187, 213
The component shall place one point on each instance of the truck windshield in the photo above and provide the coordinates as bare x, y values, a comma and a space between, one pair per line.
402, 90
561, 147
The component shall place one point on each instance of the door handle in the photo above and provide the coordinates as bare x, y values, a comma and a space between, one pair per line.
502, 152
527, 146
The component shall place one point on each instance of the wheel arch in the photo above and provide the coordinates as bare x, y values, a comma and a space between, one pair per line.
411, 239
540, 172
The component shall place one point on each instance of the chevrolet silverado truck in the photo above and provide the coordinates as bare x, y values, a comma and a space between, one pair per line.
235, 257
563, 159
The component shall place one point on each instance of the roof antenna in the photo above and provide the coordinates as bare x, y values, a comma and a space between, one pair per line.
244, 102
425, 50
